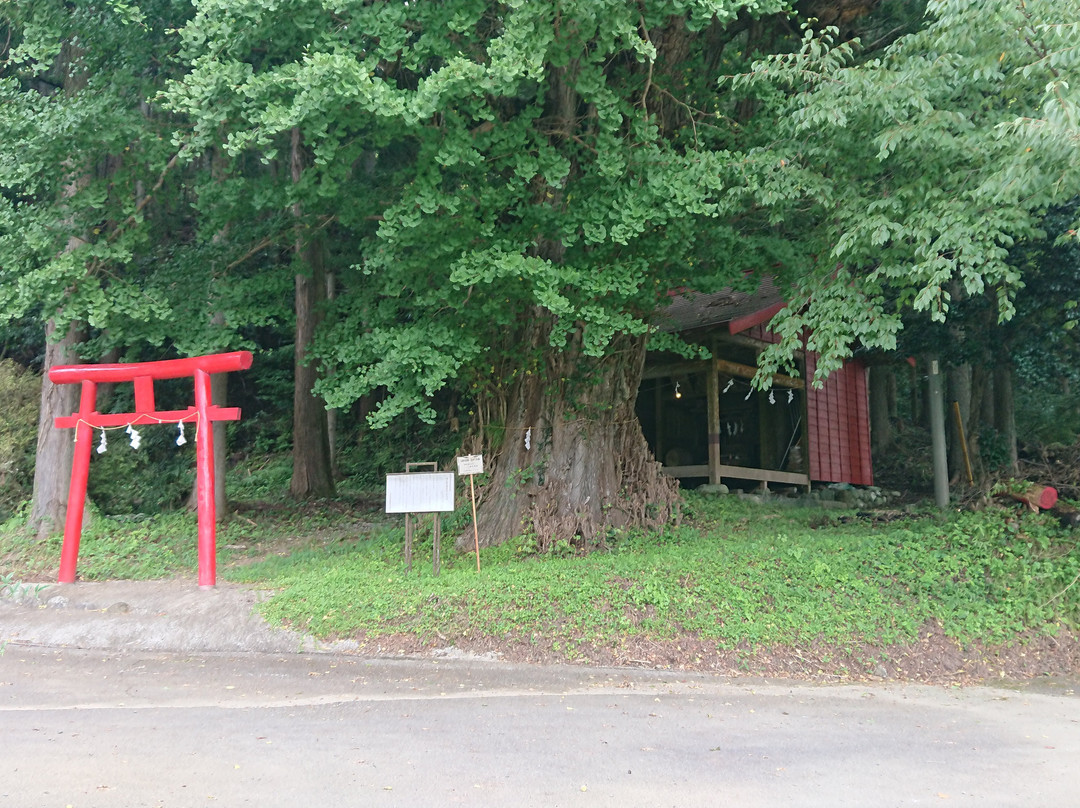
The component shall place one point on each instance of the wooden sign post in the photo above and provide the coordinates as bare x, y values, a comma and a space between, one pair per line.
421, 492
472, 464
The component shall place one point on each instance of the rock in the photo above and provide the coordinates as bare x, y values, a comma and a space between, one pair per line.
710, 488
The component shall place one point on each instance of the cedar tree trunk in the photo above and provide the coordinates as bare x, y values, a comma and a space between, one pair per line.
881, 431
958, 389
1005, 412
55, 447
312, 475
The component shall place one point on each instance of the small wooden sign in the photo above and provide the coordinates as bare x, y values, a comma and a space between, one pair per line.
470, 464
420, 492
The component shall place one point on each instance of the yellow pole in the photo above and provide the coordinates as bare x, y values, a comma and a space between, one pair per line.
963, 442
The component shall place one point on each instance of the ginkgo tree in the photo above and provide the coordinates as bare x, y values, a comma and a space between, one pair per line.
562, 166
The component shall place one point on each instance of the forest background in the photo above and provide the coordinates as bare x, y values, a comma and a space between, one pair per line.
436, 224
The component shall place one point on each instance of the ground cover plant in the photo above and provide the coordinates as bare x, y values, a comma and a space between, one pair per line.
736, 587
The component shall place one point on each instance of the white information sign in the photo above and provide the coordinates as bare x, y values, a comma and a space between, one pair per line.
470, 464
420, 492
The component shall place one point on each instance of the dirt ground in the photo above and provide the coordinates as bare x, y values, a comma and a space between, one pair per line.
933, 659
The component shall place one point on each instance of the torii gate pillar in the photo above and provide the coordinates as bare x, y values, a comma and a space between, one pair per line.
203, 414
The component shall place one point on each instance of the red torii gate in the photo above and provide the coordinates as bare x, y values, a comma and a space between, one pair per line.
143, 374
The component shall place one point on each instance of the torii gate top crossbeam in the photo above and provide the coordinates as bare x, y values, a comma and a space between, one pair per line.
164, 369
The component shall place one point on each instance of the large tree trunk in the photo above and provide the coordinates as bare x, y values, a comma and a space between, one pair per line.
312, 469
312, 472
219, 385
882, 403
331, 412
573, 462
982, 391
1005, 413
55, 448
959, 391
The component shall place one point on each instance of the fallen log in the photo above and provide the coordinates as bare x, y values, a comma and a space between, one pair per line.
1036, 497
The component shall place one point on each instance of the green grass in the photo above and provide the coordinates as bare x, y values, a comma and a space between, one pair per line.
734, 574
136, 547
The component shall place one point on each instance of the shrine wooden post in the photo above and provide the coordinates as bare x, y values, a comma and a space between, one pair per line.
203, 414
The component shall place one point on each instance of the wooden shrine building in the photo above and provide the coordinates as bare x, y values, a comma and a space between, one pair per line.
706, 424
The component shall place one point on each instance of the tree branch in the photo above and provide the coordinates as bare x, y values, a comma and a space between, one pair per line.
142, 203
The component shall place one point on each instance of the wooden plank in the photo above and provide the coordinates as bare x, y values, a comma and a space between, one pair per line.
848, 412
685, 471
763, 334
712, 408
676, 369
830, 451
851, 405
835, 431
723, 365
813, 420
748, 372
854, 429
767, 475
748, 341
741, 473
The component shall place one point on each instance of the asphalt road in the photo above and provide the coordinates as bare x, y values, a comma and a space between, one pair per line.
131, 726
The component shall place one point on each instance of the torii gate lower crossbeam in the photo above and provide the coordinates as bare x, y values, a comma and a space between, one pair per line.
203, 414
